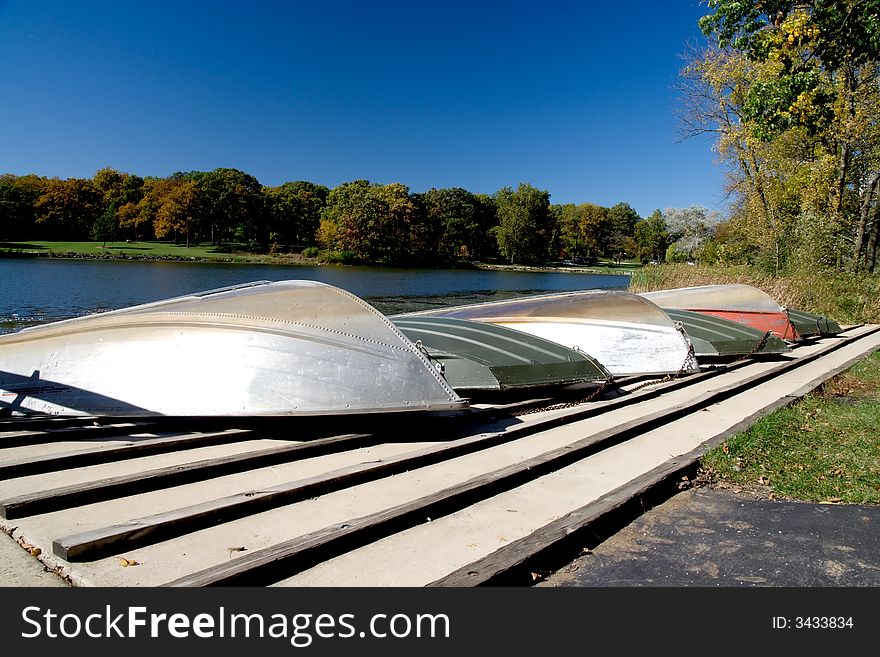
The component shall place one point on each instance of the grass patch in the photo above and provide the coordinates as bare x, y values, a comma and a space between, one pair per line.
20, 246
132, 249
156, 251
824, 448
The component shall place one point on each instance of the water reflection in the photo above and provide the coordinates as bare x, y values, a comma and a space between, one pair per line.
36, 291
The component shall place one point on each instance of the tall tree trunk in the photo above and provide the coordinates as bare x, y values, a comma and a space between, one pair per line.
845, 155
865, 211
844, 139
873, 231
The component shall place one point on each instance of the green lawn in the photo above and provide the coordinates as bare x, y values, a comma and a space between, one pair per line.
824, 448
135, 250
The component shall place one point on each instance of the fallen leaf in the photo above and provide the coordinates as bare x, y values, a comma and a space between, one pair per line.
35, 552
725, 448
763, 480
125, 563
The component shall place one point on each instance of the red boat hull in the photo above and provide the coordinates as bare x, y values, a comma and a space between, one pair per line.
777, 323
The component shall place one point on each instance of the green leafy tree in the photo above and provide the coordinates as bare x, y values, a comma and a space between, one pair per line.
371, 222
18, 194
454, 223
652, 238
105, 227
294, 211
585, 230
622, 220
117, 188
791, 90
231, 206
525, 224
120, 193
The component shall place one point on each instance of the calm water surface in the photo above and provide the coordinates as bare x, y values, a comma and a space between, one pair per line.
40, 290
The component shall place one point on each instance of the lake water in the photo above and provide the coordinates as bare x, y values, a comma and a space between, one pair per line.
37, 290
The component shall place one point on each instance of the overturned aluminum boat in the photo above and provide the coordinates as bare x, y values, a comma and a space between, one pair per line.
628, 334
718, 339
810, 325
259, 349
736, 302
478, 357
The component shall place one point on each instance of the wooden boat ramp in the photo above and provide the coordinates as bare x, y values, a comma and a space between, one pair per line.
487, 495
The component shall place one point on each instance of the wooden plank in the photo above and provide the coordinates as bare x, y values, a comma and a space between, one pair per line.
11, 439
44, 422
137, 532
45, 430
258, 567
524, 552
134, 533
263, 566
97, 455
175, 475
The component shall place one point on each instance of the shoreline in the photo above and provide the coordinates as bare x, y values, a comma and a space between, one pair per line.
553, 269
298, 260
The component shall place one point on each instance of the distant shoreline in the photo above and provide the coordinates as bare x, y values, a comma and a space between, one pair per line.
555, 269
291, 259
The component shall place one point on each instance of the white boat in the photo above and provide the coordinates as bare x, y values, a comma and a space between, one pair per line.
260, 349
626, 333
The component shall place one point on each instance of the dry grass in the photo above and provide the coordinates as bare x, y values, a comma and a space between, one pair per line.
845, 297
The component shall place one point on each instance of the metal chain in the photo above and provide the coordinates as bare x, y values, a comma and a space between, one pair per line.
761, 344
555, 407
789, 325
688, 359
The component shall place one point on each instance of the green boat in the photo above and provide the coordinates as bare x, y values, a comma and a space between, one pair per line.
479, 357
718, 338
810, 325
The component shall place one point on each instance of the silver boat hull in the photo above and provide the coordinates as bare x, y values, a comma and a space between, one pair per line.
261, 349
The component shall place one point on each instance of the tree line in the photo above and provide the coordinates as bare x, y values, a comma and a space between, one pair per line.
790, 90
355, 222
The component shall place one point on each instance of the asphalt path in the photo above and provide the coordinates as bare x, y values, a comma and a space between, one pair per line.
721, 538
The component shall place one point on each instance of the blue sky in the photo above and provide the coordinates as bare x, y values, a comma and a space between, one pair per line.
573, 97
